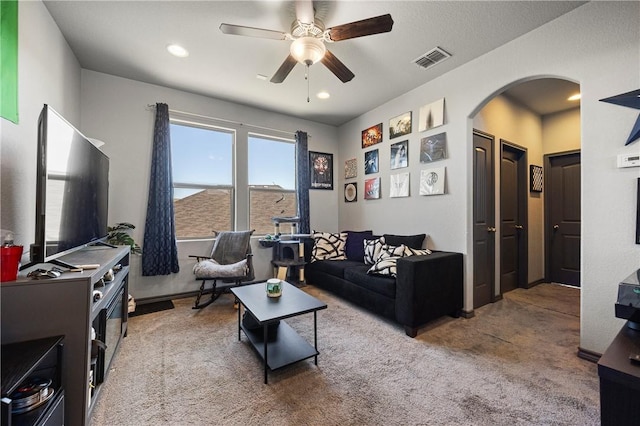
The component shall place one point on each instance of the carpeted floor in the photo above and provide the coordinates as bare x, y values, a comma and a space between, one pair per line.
514, 363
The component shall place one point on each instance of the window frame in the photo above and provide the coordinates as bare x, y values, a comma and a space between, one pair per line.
185, 185
261, 187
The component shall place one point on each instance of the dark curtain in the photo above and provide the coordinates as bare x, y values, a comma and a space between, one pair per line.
160, 253
304, 181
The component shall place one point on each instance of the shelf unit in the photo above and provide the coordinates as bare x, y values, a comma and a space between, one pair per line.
41, 358
34, 309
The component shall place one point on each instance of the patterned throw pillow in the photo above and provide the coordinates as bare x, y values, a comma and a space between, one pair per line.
391, 251
386, 266
386, 262
328, 246
372, 250
408, 251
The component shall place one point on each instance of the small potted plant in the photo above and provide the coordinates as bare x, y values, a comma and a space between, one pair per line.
119, 235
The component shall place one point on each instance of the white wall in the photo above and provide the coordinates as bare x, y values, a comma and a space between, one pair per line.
604, 60
115, 110
48, 73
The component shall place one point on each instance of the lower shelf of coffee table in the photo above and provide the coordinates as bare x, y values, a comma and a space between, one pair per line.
287, 348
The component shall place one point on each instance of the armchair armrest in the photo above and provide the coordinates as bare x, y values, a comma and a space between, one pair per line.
428, 287
200, 258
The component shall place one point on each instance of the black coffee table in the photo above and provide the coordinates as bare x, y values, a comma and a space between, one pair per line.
287, 347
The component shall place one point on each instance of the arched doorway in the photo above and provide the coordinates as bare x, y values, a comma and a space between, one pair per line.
527, 121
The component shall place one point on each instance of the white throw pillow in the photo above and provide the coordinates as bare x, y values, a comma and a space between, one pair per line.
328, 246
372, 250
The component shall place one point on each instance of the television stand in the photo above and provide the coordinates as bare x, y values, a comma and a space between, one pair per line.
33, 309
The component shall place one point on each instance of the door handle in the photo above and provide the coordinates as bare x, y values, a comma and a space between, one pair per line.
491, 229
519, 227
556, 227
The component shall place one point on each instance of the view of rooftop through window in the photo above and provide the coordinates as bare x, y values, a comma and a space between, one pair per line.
203, 161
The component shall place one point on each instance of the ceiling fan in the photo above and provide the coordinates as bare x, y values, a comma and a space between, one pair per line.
309, 37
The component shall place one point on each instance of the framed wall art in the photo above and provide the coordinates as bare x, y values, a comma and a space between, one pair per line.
321, 167
371, 162
535, 178
399, 185
400, 125
372, 189
432, 181
433, 148
372, 135
431, 115
400, 155
350, 168
350, 192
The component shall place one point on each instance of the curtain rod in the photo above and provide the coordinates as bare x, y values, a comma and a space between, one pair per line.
227, 121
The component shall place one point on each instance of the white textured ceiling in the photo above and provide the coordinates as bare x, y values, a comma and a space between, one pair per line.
129, 39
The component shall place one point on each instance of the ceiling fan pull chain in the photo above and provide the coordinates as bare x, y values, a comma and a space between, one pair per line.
306, 77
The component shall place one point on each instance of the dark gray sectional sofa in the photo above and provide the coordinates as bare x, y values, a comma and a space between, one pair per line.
426, 287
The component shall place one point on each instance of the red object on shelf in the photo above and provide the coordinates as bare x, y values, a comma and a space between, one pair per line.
9, 262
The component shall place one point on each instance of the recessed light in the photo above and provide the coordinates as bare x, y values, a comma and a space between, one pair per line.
575, 97
177, 50
262, 77
323, 95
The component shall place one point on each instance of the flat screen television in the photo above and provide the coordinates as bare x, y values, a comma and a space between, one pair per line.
72, 190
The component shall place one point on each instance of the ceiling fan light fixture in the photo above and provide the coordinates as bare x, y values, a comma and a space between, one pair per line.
308, 50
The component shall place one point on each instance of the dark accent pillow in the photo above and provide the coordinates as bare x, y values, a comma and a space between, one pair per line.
354, 248
413, 241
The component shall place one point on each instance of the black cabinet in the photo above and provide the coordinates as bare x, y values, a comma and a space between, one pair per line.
33, 309
620, 380
33, 362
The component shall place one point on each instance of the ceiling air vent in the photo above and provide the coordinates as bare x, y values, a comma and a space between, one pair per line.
431, 58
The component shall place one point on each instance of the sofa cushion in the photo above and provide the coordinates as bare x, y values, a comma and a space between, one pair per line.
385, 286
354, 247
336, 269
372, 250
328, 246
413, 241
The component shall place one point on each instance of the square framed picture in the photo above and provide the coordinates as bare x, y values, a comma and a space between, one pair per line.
350, 168
399, 185
400, 155
535, 178
321, 167
372, 135
433, 148
400, 125
432, 181
371, 162
431, 115
372, 189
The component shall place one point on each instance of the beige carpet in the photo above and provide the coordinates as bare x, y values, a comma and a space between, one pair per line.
514, 363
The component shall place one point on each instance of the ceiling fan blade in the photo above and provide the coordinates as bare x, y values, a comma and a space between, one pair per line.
284, 70
338, 68
376, 25
252, 32
304, 11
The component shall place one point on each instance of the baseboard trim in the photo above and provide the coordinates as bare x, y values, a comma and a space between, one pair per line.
184, 295
588, 355
535, 283
467, 314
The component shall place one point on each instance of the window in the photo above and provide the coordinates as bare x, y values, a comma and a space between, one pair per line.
272, 182
202, 165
